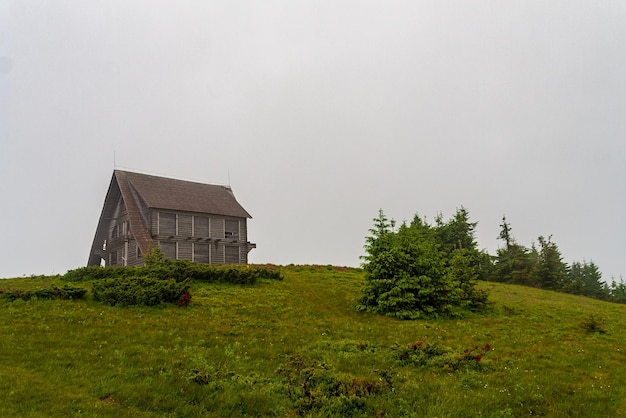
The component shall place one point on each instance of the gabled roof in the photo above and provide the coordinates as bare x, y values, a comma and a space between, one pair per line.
180, 195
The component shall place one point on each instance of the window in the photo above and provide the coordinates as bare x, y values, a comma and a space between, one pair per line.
231, 228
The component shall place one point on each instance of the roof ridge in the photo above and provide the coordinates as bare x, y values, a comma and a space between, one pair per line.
164, 176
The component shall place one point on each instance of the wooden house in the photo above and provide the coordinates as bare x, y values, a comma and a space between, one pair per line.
191, 221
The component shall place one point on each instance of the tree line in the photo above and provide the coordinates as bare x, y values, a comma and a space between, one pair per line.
542, 266
421, 270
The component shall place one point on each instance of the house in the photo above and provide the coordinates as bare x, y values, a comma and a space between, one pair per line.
192, 221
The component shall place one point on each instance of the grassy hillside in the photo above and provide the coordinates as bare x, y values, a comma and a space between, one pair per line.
297, 347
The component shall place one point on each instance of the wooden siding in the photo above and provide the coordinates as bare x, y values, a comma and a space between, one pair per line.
167, 223
217, 227
134, 254
201, 238
185, 250
231, 254
184, 227
243, 255
201, 226
217, 253
243, 230
154, 223
201, 253
168, 248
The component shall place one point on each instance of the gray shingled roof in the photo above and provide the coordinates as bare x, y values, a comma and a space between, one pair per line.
181, 195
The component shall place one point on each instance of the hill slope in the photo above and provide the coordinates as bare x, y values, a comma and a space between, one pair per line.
297, 346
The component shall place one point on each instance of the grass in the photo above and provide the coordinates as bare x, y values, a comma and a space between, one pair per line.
298, 347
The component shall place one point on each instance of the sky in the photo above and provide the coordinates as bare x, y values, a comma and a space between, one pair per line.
318, 114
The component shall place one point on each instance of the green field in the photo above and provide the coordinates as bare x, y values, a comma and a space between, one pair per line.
298, 347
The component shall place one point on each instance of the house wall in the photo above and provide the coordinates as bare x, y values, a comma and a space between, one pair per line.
121, 246
201, 238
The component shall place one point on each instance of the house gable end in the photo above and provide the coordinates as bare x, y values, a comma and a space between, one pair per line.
98, 247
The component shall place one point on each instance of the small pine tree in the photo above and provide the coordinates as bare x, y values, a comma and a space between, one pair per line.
505, 233
514, 263
153, 258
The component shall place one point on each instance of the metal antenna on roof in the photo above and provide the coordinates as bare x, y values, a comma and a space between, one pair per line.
114, 165
229, 178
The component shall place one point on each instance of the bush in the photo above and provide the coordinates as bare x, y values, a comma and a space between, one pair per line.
180, 270
145, 291
66, 292
69, 292
89, 273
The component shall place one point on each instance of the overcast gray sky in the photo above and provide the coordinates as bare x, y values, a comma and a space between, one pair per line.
319, 113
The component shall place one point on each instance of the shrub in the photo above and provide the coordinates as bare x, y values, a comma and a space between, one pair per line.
89, 273
180, 270
69, 292
185, 299
66, 292
145, 291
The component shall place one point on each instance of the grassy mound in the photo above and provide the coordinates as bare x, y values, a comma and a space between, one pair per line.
298, 346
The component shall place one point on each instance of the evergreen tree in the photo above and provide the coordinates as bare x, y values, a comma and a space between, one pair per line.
505, 233
514, 263
618, 291
552, 271
458, 232
412, 273
585, 279
379, 263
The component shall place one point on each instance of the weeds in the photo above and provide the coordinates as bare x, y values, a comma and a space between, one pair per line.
425, 354
315, 387
594, 325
